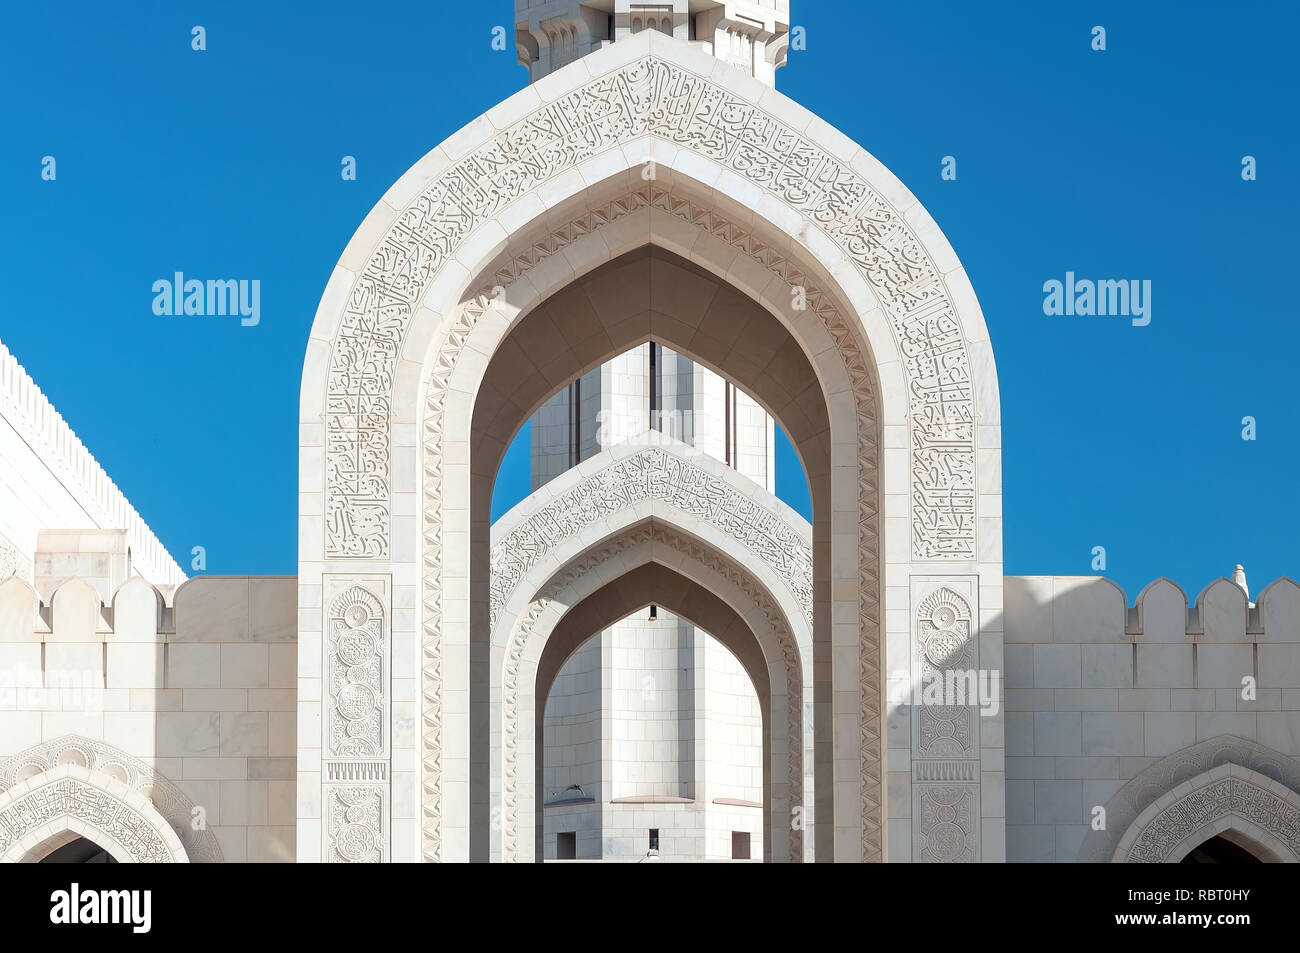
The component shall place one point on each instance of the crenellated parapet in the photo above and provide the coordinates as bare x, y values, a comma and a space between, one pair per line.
137, 612
210, 609
1100, 694
1094, 609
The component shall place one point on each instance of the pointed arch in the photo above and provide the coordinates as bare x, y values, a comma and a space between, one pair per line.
108, 765
1228, 798
770, 198
1224, 783
653, 562
37, 814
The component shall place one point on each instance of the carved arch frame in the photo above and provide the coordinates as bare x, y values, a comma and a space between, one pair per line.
51, 808
896, 335
109, 763
1225, 799
767, 574
1141, 815
787, 736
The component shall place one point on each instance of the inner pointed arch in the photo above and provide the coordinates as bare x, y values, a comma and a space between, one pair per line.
645, 295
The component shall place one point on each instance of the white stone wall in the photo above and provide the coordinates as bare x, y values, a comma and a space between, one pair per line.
578, 744
1097, 691
653, 707
201, 691
653, 710
731, 731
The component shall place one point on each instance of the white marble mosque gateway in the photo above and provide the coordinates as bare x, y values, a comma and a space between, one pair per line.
656, 258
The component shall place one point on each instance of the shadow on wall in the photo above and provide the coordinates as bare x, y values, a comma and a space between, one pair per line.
1108, 708
188, 700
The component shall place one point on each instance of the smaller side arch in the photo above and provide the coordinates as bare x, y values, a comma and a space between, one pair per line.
106, 762
1221, 784
1226, 798
70, 799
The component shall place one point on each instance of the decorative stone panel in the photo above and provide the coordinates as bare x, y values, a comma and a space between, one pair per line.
358, 717
947, 823
944, 645
357, 660
12, 562
358, 823
945, 737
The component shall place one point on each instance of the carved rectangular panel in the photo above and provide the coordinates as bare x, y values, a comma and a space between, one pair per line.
356, 743
945, 823
356, 823
356, 668
946, 685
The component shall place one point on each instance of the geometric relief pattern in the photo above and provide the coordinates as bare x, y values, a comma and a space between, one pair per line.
861, 378
1227, 797
946, 828
943, 633
653, 474
356, 828
650, 97
356, 659
170, 801
603, 553
72, 797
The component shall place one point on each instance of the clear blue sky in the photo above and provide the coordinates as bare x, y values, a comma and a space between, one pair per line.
1122, 164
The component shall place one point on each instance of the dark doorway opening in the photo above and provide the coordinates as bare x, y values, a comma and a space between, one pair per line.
79, 851
1220, 850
